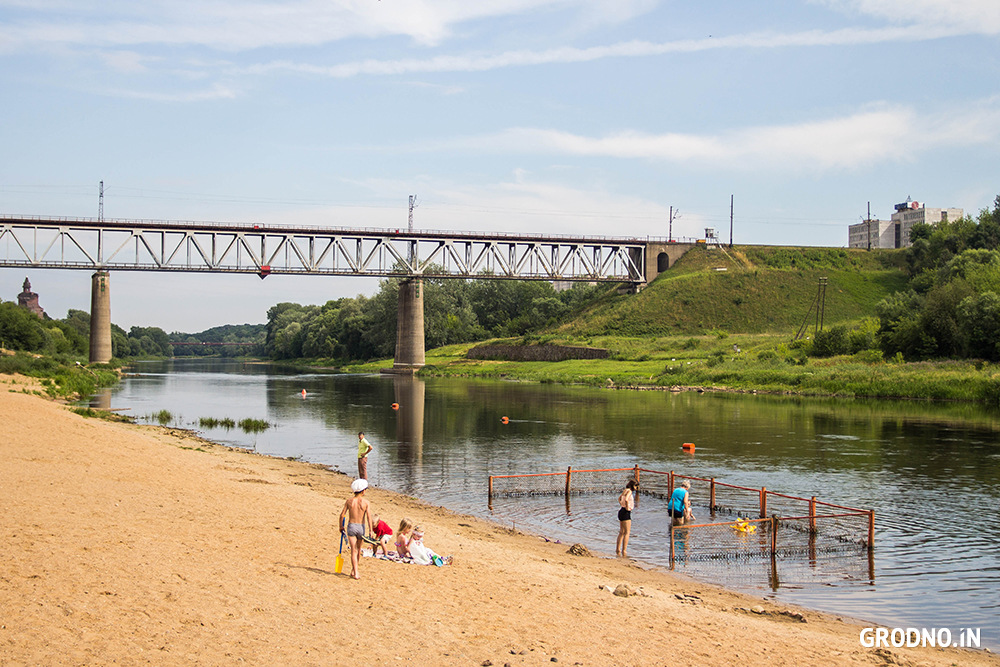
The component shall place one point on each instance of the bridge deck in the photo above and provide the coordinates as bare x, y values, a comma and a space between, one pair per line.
145, 245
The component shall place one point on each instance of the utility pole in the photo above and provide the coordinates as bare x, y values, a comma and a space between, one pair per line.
869, 221
670, 226
100, 204
731, 197
413, 244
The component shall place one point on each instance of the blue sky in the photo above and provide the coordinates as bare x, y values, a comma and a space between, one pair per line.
558, 116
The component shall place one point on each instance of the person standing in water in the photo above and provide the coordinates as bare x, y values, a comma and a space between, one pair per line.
679, 506
627, 501
364, 449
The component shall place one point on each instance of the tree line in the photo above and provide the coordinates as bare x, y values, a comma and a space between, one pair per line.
347, 329
952, 306
455, 311
20, 329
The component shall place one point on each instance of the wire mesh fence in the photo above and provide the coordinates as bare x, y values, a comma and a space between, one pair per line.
806, 536
607, 480
753, 521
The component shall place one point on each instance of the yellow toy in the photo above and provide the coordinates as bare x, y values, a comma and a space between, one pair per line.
744, 526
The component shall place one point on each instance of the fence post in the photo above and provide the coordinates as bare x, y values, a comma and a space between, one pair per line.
774, 535
671, 547
711, 499
490, 494
569, 473
670, 484
812, 514
871, 529
635, 475
763, 502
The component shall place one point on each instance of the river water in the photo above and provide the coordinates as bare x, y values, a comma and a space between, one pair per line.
931, 472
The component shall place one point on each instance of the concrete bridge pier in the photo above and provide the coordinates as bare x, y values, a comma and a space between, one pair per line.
100, 318
410, 327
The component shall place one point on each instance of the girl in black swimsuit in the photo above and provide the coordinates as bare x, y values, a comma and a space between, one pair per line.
627, 502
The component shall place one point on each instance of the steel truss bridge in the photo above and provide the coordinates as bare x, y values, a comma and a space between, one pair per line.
144, 245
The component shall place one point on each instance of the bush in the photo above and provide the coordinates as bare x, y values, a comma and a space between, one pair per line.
830, 342
869, 356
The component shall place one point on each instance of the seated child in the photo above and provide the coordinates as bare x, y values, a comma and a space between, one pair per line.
421, 554
383, 535
403, 538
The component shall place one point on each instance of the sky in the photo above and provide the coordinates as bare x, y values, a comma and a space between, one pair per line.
592, 117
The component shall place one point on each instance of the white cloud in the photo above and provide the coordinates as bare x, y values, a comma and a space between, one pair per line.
233, 25
977, 16
524, 204
632, 49
874, 136
216, 92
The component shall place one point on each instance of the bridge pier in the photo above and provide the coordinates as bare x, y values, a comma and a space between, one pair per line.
100, 318
410, 327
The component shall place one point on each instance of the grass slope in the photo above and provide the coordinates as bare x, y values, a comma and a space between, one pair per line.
696, 326
746, 290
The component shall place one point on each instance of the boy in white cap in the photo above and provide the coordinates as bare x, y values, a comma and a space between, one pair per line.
357, 513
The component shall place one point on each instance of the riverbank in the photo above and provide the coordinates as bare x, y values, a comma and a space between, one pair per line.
134, 544
751, 363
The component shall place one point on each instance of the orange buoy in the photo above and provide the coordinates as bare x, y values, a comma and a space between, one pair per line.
395, 406
303, 393
688, 446
504, 420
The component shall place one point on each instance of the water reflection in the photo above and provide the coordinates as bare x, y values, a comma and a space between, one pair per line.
102, 399
932, 472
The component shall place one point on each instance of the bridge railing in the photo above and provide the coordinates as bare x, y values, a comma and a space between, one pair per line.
267, 250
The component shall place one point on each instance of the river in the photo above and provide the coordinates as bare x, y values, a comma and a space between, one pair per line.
931, 472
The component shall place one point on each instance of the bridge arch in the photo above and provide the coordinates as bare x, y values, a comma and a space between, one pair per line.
662, 262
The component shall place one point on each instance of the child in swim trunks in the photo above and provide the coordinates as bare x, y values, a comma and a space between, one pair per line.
357, 515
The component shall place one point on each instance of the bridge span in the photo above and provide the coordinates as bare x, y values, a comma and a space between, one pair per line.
146, 245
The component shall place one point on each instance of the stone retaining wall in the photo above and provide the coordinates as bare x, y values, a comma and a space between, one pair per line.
535, 352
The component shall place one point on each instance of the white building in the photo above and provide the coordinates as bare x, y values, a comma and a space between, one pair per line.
872, 234
895, 233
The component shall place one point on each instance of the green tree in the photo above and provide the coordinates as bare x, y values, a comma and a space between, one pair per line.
979, 318
20, 329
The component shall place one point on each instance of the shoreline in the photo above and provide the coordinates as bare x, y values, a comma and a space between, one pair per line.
134, 543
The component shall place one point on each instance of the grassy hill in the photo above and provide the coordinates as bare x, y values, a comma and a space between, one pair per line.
700, 327
747, 290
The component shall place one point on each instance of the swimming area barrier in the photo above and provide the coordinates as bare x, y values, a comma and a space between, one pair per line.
744, 521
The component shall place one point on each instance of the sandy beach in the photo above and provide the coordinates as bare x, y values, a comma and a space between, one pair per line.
130, 545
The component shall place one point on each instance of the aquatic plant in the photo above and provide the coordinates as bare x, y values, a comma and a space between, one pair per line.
253, 425
164, 417
214, 422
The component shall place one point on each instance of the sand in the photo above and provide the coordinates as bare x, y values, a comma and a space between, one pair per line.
131, 544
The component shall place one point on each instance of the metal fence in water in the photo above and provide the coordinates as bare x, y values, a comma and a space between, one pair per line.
758, 522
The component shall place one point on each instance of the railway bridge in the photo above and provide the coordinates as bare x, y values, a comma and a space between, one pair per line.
102, 246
